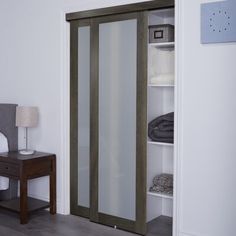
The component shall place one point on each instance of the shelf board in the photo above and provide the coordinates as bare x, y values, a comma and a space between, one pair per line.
162, 85
160, 195
170, 45
161, 144
33, 204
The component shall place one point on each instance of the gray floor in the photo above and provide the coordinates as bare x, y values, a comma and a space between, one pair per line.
43, 224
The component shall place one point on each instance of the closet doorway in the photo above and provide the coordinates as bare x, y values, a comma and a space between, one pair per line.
109, 105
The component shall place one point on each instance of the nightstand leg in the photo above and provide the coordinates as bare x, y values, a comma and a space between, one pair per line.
53, 188
23, 201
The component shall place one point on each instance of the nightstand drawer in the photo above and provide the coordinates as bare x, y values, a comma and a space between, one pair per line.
8, 169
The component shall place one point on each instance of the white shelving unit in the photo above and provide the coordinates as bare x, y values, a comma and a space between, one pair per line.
161, 144
161, 86
168, 45
160, 195
160, 101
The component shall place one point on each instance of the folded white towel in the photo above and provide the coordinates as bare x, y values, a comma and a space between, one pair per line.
163, 79
4, 182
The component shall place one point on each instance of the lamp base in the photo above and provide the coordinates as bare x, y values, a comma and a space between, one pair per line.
26, 152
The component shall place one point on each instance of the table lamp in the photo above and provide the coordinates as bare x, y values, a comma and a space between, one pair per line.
26, 117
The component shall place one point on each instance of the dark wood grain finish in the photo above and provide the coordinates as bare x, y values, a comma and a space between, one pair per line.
94, 101
9, 169
81, 23
118, 222
73, 116
83, 211
23, 197
33, 204
141, 129
42, 168
74, 83
23, 168
53, 185
114, 18
135, 7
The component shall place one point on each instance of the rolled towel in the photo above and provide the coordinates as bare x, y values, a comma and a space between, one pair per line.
156, 133
163, 79
166, 119
164, 180
161, 136
163, 140
162, 183
166, 126
161, 129
158, 189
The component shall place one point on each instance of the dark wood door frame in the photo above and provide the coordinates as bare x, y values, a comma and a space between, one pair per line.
75, 209
128, 8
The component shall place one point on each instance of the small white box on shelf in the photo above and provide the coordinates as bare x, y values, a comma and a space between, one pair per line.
162, 80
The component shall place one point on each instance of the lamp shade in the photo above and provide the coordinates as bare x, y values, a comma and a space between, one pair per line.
26, 116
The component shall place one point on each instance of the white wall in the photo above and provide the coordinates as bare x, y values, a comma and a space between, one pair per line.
207, 76
34, 71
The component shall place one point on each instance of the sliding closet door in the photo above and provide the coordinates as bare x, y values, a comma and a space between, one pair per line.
108, 120
119, 98
80, 118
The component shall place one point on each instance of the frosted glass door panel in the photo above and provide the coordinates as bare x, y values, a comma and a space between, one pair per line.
117, 118
83, 115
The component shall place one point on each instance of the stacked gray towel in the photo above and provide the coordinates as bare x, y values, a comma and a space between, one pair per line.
162, 183
161, 129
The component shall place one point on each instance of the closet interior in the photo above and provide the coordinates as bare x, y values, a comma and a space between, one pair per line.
161, 89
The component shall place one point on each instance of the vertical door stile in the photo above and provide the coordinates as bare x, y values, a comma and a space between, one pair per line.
141, 144
74, 118
94, 129
79, 109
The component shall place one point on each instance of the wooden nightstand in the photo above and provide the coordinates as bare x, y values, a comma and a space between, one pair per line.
23, 168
